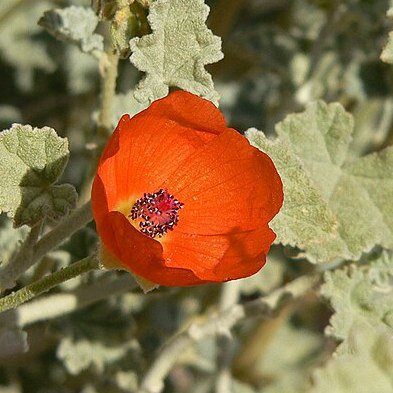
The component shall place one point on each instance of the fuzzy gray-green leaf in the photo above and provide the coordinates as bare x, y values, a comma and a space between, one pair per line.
176, 52
362, 364
32, 160
75, 24
360, 294
335, 205
305, 220
78, 356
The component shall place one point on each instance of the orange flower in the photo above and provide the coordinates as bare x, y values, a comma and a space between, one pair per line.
180, 199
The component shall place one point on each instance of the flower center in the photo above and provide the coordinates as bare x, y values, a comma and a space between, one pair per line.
159, 212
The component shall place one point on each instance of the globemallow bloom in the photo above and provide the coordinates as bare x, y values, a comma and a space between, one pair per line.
181, 199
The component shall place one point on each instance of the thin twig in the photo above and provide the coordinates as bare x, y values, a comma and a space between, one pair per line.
153, 381
17, 298
108, 64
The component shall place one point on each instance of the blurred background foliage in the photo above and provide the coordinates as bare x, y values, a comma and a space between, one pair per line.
279, 56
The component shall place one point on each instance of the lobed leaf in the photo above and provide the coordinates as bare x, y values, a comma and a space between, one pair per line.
360, 294
176, 52
78, 356
32, 160
363, 365
74, 24
334, 207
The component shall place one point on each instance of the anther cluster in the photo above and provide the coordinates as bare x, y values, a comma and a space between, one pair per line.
159, 212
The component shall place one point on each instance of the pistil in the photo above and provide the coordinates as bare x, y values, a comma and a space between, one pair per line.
158, 213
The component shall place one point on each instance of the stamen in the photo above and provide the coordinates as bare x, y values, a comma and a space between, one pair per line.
160, 212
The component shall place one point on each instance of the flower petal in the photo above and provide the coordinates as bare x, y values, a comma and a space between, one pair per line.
138, 253
219, 257
142, 255
227, 184
230, 191
190, 111
140, 155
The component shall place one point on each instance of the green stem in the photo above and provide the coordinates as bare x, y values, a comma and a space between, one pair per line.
108, 92
45, 284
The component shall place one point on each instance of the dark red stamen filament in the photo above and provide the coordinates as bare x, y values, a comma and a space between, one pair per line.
159, 212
